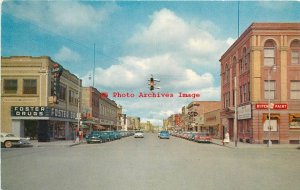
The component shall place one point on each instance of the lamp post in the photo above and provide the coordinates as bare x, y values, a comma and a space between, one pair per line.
78, 109
269, 104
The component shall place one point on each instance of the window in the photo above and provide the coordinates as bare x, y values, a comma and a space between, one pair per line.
270, 84
245, 92
269, 53
29, 86
234, 67
295, 90
248, 91
295, 52
10, 86
62, 94
227, 73
73, 97
245, 59
226, 100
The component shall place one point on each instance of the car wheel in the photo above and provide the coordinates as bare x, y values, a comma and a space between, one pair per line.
8, 144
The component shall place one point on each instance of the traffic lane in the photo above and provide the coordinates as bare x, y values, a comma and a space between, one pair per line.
152, 163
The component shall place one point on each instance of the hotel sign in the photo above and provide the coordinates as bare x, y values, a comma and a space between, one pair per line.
244, 112
41, 111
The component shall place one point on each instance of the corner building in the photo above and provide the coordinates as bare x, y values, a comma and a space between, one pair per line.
39, 98
265, 61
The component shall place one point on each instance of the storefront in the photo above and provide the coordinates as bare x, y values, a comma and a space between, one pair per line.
43, 123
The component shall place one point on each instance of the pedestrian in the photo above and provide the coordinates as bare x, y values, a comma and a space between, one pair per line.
80, 135
77, 136
226, 139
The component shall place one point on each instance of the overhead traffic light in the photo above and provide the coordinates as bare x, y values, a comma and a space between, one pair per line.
152, 83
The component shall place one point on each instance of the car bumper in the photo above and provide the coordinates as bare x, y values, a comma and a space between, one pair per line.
164, 137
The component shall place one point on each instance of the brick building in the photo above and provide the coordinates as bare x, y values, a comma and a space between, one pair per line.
265, 60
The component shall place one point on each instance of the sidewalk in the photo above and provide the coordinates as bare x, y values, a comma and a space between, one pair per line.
248, 145
53, 143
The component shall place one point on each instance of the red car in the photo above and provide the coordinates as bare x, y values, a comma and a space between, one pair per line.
202, 137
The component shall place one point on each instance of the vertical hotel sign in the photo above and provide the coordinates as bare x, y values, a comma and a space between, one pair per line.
57, 71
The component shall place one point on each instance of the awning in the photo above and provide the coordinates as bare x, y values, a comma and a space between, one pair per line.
98, 127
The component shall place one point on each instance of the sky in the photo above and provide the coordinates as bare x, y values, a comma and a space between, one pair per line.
178, 42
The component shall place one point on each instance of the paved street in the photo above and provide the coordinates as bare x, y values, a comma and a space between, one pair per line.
149, 163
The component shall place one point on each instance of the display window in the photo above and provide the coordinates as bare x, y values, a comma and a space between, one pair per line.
294, 121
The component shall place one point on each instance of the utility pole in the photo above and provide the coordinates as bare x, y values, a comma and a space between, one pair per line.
235, 114
94, 66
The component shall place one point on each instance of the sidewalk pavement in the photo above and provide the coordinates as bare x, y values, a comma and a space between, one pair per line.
248, 145
53, 143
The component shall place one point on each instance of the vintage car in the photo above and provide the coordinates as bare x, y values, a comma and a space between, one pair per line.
9, 140
164, 135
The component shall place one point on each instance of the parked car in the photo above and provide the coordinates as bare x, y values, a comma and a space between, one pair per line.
203, 137
139, 134
105, 136
9, 140
164, 135
94, 136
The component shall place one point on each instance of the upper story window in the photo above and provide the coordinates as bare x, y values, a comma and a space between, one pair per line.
269, 53
227, 70
295, 52
29, 86
295, 90
270, 89
63, 91
10, 86
245, 59
73, 97
234, 66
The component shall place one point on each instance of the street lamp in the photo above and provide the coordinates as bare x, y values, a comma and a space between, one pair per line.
269, 102
78, 109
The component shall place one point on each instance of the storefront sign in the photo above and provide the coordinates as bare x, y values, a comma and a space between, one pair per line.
272, 106
30, 111
41, 111
244, 112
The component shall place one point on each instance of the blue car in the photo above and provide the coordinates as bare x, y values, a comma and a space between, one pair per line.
94, 136
164, 135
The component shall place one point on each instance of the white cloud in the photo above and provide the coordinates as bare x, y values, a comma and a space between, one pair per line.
61, 17
66, 54
179, 53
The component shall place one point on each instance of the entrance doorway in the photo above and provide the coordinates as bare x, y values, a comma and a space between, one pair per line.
30, 129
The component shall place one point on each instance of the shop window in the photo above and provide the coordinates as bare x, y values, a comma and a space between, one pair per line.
29, 86
294, 121
273, 125
270, 90
10, 86
269, 53
295, 90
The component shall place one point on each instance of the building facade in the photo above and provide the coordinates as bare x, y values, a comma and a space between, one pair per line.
39, 98
196, 111
108, 113
262, 68
133, 123
212, 124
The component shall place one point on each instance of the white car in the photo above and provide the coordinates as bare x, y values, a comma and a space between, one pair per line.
139, 134
9, 140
